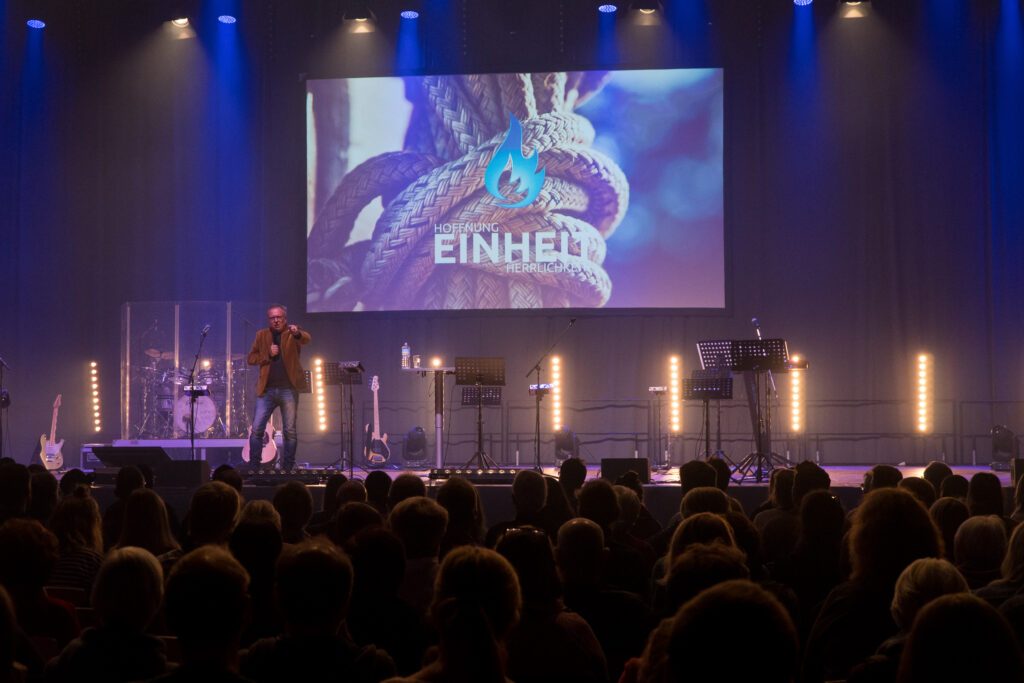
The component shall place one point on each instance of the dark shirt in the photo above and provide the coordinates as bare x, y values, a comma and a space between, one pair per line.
76, 568
288, 658
189, 673
278, 377
554, 646
108, 654
620, 620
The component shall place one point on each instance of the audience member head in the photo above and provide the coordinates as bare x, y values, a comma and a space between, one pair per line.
985, 495
1013, 563
704, 499
807, 477
314, 586
571, 475
229, 475
696, 473
597, 502
529, 552
950, 626
76, 523
580, 552
890, 530
822, 522
147, 474
465, 515
212, 513
703, 527
8, 639
294, 503
351, 492
557, 510
28, 554
881, 477
419, 523
207, 604
352, 518
954, 486
15, 490
128, 479
629, 507
129, 589
1013, 611
378, 485
631, 480
260, 511
529, 493
935, 473
698, 652
921, 582
405, 486
980, 544
44, 496
476, 603
256, 544
331, 486
780, 488
378, 560
700, 567
71, 480
146, 524
748, 541
723, 475
948, 514
921, 489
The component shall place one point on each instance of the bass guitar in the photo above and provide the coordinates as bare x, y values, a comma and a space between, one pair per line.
376, 451
49, 449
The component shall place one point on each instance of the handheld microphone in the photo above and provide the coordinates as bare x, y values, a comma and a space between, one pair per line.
755, 322
206, 329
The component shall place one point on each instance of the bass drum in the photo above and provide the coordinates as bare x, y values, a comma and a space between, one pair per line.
206, 414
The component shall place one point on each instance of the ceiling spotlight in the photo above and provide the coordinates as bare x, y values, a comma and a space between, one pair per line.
226, 19
646, 6
35, 23
607, 8
180, 22
409, 14
802, 3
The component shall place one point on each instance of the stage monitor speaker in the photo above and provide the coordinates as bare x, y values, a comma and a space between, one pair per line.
182, 473
613, 468
1016, 470
111, 456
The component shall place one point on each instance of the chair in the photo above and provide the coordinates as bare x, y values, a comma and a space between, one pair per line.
76, 596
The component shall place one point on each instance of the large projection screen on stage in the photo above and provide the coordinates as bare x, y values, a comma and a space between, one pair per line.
580, 189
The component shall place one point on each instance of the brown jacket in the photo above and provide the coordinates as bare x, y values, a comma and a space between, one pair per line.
290, 350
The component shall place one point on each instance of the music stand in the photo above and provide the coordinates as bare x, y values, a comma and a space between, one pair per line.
707, 386
482, 379
344, 374
756, 358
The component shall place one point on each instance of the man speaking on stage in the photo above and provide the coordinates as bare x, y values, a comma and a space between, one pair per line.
276, 350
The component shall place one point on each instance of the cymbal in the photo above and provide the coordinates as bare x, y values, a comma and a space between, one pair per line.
152, 353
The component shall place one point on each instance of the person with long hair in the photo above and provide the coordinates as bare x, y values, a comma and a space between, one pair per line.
146, 524
1011, 581
76, 523
476, 604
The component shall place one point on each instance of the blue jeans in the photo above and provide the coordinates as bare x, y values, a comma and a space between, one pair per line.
288, 401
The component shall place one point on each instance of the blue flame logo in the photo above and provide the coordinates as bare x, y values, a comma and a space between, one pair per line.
525, 177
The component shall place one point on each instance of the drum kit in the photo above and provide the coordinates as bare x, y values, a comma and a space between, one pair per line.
165, 406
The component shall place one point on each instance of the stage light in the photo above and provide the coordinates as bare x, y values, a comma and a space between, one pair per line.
675, 422
435, 362
35, 23
646, 6
796, 398
853, 9
180, 22
321, 399
607, 8
409, 14
226, 19
925, 392
94, 383
556, 393
358, 17
567, 444
802, 3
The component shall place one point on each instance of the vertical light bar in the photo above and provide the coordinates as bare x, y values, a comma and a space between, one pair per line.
925, 385
556, 393
321, 398
796, 398
675, 422
94, 396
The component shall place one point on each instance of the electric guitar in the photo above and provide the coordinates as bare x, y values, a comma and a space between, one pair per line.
269, 452
49, 449
376, 451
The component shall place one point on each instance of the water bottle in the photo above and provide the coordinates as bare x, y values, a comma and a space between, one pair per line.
406, 356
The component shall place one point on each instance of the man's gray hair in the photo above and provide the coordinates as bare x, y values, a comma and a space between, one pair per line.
273, 306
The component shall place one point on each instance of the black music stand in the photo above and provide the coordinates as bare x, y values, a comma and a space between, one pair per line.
343, 374
482, 379
706, 386
756, 358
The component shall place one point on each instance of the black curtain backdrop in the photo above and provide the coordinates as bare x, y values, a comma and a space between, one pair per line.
874, 170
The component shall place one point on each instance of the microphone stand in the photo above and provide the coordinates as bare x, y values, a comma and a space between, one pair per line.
538, 395
192, 395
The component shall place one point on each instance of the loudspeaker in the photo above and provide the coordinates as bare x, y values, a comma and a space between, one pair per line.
613, 468
122, 456
181, 473
1016, 470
